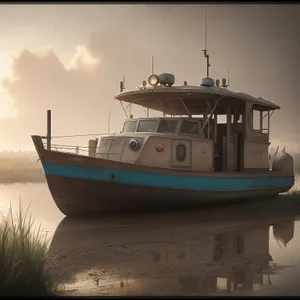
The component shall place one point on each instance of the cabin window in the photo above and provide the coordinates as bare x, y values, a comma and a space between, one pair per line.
181, 152
129, 126
168, 126
147, 126
260, 121
189, 127
265, 122
256, 120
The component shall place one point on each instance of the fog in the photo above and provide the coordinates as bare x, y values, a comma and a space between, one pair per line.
70, 59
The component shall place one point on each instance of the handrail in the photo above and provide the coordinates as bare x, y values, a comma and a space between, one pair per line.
77, 135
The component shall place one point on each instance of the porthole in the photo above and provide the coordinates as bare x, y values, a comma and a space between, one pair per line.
134, 144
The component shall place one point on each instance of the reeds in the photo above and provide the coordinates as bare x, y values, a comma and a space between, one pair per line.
24, 268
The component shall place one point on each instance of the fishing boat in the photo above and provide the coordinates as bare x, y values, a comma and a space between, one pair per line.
210, 145
187, 156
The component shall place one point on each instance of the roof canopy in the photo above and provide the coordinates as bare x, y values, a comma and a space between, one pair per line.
176, 100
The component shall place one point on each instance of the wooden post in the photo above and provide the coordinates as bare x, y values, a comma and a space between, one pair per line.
49, 129
228, 131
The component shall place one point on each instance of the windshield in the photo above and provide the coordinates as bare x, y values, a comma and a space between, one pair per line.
169, 126
129, 126
147, 126
189, 127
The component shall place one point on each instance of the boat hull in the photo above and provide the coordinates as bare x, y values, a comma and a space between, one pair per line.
83, 186
81, 197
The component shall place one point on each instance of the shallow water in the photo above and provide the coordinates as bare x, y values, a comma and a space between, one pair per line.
245, 249
34, 196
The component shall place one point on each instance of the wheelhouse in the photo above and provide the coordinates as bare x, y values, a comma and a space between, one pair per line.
236, 124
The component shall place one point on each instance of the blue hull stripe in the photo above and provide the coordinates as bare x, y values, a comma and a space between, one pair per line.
178, 182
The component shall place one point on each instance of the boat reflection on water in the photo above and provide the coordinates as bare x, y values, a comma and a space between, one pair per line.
174, 254
284, 232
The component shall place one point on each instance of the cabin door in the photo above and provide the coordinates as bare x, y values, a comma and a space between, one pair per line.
181, 153
233, 163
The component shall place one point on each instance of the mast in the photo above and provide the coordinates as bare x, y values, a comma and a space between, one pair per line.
152, 62
205, 50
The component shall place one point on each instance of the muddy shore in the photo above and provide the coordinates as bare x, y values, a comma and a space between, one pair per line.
175, 253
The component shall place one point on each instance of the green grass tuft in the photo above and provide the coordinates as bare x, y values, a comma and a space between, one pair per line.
24, 268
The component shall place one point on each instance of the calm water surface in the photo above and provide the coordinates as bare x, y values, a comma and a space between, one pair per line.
245, 249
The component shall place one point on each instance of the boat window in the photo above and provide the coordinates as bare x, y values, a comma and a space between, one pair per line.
265, 122
129, 126
147, 126
260, 121
256, 120
180, 152
189, 127
168, 126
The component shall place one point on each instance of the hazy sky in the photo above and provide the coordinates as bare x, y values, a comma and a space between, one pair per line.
70, 59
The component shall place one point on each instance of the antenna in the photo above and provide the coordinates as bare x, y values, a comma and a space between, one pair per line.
152, 72
108, 122
205, 50
224, 84
228, 78
205, 31
122, 85
152, 64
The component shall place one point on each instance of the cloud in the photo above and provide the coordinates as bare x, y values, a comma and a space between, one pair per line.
80, 90
83, 60
40, 81
79, 93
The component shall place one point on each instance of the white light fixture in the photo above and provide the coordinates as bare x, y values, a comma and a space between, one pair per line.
153, 80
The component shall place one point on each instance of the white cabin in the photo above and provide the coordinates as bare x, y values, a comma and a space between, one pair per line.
224, 131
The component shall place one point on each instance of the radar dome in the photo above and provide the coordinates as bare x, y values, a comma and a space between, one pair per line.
207, 81
166, 79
